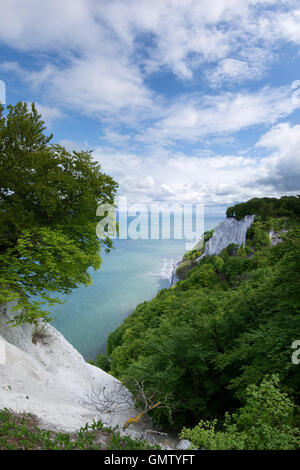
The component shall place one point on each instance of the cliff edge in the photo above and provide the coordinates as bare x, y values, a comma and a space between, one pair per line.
42, 374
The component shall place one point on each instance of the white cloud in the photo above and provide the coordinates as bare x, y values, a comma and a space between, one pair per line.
104, 50
194, 117
184, 34
97, 86
101, 85
281, 170
210, 179
96, 57
115, 91
249, 65
48, 25
10, 66
218, 180
176, 177
284, 137
287, 25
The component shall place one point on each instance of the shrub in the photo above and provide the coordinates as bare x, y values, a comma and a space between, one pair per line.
264, 423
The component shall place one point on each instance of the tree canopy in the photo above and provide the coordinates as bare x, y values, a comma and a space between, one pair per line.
48, 202
263, 423
286, 206
229, 323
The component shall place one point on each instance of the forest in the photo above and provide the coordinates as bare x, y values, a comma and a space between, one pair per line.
216, 348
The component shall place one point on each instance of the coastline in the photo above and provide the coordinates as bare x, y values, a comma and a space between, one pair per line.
133, 273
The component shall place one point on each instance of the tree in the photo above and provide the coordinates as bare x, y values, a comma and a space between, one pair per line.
48, 202
264, 423
228, 324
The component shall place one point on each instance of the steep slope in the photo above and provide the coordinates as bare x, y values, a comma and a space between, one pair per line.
229, 321
228, 232
41, 373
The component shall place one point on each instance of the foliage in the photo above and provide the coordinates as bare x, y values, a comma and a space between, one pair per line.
233, 320
22, 432
184, 267
287, 206
48, 202
189, 258
263, 423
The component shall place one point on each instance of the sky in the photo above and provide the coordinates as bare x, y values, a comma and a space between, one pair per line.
189, 101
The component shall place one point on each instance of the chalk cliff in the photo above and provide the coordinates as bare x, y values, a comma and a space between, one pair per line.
227, 232
41, 373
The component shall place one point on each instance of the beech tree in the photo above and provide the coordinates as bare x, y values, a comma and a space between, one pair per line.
263, 423
48, 202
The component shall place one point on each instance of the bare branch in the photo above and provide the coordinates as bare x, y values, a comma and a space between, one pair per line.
108, 399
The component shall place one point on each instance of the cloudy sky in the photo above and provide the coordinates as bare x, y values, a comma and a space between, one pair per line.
181, 100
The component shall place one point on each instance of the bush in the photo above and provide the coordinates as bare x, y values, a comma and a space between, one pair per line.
264, 423
22, 432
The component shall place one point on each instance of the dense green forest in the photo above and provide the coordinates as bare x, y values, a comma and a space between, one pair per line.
266, 207
215, 349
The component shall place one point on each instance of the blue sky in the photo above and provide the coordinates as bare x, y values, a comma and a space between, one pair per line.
181, 100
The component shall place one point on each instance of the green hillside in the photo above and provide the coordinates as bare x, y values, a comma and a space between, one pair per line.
228, 325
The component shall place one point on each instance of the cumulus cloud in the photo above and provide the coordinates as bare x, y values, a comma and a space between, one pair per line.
205, 177
100, 85
36, 25
281, 170
177, 177
98, 58
105, 50
287, 25
250, 64
185, 34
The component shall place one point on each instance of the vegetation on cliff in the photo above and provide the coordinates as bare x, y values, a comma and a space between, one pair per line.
22, 431
190, 257
199, 345
263, 423
266, 207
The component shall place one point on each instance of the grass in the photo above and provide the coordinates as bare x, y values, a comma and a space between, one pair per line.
21, 431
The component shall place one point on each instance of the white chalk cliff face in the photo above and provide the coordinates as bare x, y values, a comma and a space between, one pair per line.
227, 232
44, 375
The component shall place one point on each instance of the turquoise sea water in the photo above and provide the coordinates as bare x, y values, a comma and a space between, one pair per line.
133, 272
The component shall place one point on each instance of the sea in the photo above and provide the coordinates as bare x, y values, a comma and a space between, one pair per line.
133, 272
